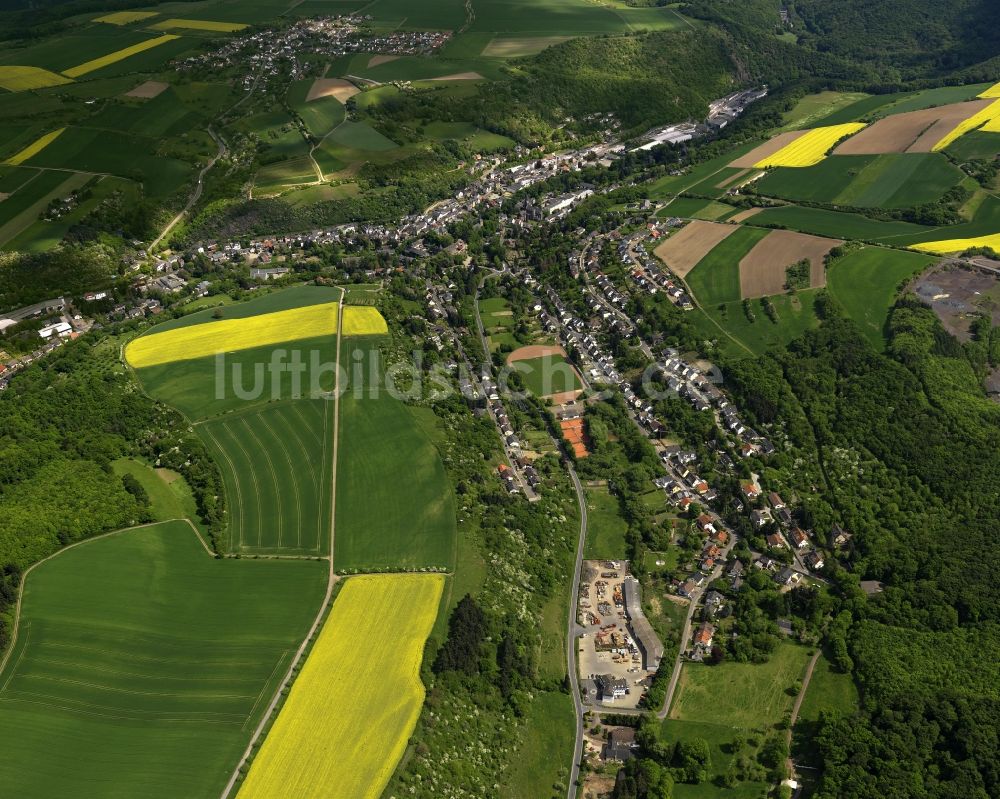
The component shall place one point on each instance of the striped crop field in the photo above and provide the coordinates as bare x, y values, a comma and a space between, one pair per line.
35, 147
125, 17
118, 55
363, 674
362, 320
811, 148
198, 25
946, 246
231, 335
20, 79
988, 119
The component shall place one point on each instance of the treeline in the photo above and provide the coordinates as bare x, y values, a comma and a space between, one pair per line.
908, 449
26, 278
64, 420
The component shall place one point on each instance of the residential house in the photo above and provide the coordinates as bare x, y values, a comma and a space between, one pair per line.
799, 537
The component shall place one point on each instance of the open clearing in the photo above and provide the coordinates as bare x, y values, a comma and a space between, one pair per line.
810, 148
767, 149
19, 79
118, 55
343, 90
148, 90
762, 270
356, 701
740, 695
395, 506
145, 664
229, 335
911, 131
517, 46
682, 251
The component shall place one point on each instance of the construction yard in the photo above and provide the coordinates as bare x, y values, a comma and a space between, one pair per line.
617, 653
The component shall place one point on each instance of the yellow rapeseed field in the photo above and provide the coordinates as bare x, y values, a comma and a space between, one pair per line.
35, 147
356, 701
229, 335
19, 79
363, 320
988, 115
959, 245
811, 148
118, 55
993, 126
199, 25
993, 91
125, 17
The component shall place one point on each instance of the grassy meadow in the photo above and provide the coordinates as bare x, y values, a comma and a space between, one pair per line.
145, 663
716, 278
605, 526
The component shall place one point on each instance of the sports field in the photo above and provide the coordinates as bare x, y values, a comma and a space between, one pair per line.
142, 665
19, 79
119, 55
363, 320
394, 503
355, 703
811, 147
229, 335
275, 464
548, 375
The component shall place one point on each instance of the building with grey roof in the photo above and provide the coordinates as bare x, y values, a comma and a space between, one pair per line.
642, 631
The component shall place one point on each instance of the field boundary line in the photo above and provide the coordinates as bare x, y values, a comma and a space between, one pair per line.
260, 695
236, 483
33, 566
332, 578
279, 521
253, 477
294, 475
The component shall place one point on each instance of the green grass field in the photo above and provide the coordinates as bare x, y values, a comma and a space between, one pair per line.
814, 108
496, 313
605, 526
985, 222
865, 283
796, 314
546, 748
167, 500
394, 505
145, 664
691, 208
896, 180
716, 278
719, 738
550, 374
22, 208
275, 463
975, 145
835, 224
743, 696
829, 690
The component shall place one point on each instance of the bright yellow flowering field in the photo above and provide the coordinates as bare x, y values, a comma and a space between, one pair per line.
988, 115
993, 91
35, 147
199, 25
19, 79
363, 320
811, 148
959, 245
229, 335
118, 55
355, 703
125, 17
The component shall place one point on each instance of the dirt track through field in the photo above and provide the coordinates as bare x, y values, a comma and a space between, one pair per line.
767, 149
682, 251
762, 270
911, 132
535, 351
744, 215
733, 178
343, 90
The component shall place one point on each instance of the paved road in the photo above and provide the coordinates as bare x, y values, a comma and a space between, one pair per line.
332, 579
572, 631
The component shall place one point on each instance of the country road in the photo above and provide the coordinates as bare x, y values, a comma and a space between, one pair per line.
571, 635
